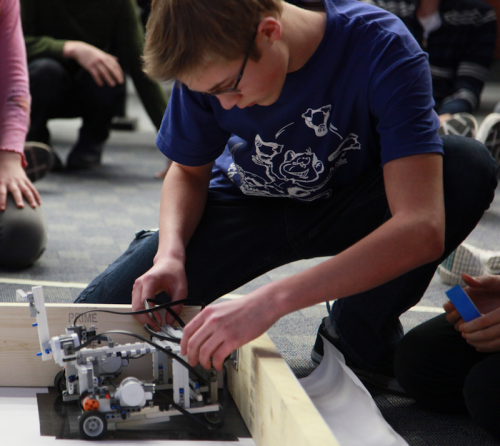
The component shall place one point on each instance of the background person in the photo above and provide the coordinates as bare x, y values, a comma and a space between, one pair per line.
451, 366
22, 226
459, 37
77, 53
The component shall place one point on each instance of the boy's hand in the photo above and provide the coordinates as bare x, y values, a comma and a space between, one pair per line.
167, 275
222, 328
103, 67
482, 333
13, 179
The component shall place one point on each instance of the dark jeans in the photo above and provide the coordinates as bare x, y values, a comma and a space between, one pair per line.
437, 368
238, 240
61, 92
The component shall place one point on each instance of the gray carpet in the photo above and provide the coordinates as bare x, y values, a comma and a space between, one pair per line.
92, 217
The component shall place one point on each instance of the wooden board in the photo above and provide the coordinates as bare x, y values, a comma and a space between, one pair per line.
272, 402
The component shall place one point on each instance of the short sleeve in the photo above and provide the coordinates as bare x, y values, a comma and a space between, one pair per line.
401, 101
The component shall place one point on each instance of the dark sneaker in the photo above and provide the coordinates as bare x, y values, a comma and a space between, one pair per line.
385, 381
462, 124
86, 154
83, 161
124, 123
489, 134
39, 157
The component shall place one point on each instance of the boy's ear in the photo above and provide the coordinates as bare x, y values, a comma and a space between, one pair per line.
269, 29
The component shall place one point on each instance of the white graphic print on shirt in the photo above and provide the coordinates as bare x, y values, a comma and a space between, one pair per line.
294, 174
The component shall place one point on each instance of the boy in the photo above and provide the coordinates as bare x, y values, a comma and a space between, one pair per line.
297, 134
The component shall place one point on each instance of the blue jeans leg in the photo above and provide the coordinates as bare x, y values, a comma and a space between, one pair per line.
114, 285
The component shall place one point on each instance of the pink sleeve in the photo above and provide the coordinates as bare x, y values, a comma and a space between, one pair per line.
15, 99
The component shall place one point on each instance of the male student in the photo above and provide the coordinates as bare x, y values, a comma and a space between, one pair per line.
296, 134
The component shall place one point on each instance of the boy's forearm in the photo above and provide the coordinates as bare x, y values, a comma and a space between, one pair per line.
184, 195
395, 248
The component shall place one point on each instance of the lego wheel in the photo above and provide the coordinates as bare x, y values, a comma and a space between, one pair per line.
60, 382
93, 425
213, 417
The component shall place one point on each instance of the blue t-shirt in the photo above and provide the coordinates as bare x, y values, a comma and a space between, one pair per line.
363, 99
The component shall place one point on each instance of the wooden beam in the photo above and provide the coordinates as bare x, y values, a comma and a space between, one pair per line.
275, 407
272, 402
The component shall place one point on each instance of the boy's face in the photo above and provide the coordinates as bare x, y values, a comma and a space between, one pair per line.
260, 83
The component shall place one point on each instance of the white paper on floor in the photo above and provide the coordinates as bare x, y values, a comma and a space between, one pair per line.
345, 404
19, 425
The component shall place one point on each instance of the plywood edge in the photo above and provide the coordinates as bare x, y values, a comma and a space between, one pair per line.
271, 400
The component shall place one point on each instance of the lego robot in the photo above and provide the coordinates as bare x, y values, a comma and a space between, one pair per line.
90, 375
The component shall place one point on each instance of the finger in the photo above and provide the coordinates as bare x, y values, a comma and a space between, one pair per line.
138, 305
169, 319
106, 74
491, 319
196, 342
3, 197
222, 352
484, 339
18, 196
449, 307
470, 281
30, 197
209, 351
459, 324
116, 70
189, 330
96, 76
487, 347
36, 194
149, 291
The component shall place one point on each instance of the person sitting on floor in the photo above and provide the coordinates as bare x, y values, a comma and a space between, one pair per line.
451, 366
459, 37
22, 227
297, 134
77, 53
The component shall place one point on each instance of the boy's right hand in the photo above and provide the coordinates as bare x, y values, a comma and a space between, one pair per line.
167, 274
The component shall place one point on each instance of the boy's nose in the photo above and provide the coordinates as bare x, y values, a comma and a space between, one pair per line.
229, 101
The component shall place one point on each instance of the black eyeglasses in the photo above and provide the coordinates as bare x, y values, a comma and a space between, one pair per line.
234, 89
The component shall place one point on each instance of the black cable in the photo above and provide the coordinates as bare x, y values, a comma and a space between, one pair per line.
159, 306
159, 347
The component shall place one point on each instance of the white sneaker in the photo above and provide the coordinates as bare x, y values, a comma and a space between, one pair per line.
470, 260
461, 124
489, 134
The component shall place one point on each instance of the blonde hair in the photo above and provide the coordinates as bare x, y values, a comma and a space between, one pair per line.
183, 36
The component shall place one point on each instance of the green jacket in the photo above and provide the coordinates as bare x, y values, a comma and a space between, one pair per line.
110, 25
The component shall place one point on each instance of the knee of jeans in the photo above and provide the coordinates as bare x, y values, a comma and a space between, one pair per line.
45, 72
106, 96
469, 159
